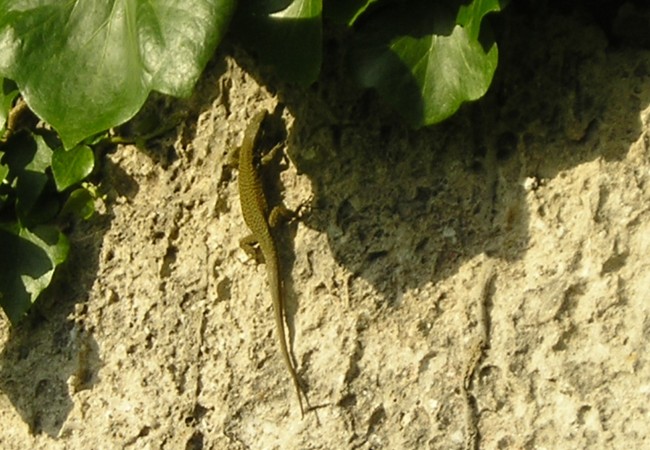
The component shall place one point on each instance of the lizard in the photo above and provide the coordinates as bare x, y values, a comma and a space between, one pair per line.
260, 220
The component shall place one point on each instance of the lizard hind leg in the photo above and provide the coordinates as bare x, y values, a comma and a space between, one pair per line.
250, 245
280, 214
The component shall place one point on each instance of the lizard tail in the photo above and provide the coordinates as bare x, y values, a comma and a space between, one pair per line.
278, 312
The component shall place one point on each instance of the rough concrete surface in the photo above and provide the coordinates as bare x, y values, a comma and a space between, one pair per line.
484, 283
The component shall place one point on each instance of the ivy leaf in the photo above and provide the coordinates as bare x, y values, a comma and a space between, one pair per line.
80, 203
470, 16
71, 166
28, 261
289, 38
88, 66
426, 59
29, 161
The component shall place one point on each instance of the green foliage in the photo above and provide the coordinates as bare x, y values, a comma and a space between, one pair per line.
28, 263
71, 166
33, 182
85, 67
425, 60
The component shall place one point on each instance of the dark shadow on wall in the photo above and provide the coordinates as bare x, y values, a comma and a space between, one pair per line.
50, 355
402, 208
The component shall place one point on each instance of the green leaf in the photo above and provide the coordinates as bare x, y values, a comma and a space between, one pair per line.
27, 151
31, 177
29, 158
41, 158
71, 166
80, 203
28, 261
470, 16
288, 38
88, 66
424, 59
